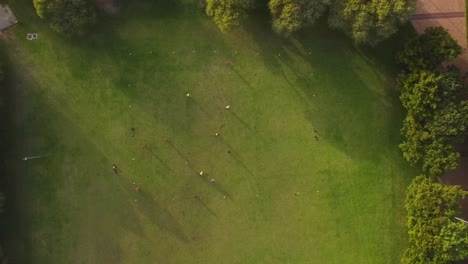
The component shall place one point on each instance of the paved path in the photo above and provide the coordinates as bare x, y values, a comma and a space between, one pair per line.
449, 14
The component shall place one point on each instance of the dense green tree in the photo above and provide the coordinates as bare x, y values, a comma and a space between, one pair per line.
431, 142
228, 14
429, 50
434, 237
67, 16
370, 21
422, 92
291, 15
450, 124
414, 140
439, 158
433, 122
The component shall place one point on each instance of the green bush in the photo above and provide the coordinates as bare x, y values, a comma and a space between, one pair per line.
370, 21
434, 235
69, 17
430, 49
228, 14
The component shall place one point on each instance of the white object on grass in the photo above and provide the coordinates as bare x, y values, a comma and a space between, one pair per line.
188, 95
228, 107
34, 157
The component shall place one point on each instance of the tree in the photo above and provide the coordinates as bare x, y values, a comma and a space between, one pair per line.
370, 21
430, 49
291, 15
69, 17
422, 92
414, 140
439, 158
228, 14
434, 237
431, 141
450, 124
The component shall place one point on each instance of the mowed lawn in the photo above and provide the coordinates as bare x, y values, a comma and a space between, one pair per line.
280, 196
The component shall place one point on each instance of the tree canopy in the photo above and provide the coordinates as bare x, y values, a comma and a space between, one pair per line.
435, 120
430, 49
228, 14
434, 236
422, 92
370, 21
67, 16
291, 15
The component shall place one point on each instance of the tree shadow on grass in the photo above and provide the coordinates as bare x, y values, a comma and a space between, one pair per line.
232, 153
148, 206
200, 107
203, 204
338, 78
154, 155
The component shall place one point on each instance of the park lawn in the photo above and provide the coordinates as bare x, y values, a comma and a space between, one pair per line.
279, 197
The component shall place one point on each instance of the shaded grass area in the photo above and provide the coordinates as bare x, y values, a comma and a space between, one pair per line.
279, 197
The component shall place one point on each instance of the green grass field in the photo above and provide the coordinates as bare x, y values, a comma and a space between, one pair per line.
77, 99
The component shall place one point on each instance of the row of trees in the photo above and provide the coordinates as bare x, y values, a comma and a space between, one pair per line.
436, 119
365, 21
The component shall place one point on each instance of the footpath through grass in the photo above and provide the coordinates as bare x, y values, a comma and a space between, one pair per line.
279, 197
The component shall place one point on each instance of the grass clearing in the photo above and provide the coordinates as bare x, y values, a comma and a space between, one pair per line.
77, 100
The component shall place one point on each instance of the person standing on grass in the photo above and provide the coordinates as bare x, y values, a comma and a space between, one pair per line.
114, 168
166, 140
316, 138
133, 132
145, 147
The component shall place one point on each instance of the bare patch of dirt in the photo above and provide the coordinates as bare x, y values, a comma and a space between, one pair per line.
109, 6
6, 34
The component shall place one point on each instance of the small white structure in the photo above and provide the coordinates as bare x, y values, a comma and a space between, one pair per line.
32, 36
7, 18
